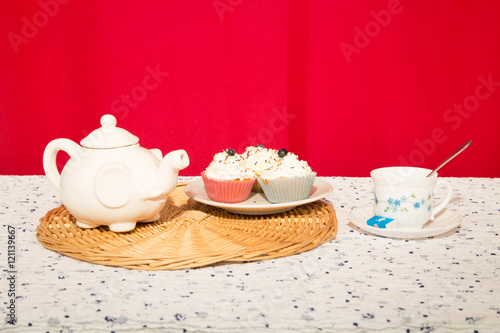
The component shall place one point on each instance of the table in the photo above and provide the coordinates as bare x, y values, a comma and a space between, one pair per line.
356, 283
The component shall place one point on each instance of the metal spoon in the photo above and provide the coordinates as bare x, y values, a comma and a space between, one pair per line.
455, 153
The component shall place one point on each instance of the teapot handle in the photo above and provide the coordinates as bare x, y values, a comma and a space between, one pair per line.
50, 154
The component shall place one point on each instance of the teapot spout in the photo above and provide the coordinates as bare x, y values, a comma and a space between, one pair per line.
166, 178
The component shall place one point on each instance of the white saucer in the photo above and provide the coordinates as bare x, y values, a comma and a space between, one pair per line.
257, 203
445, 221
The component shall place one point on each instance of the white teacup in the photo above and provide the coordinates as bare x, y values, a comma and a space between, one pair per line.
406, 195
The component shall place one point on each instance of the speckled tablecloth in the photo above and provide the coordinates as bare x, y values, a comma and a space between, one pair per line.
356, 283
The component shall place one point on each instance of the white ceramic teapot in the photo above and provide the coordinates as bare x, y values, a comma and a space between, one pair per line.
110, 179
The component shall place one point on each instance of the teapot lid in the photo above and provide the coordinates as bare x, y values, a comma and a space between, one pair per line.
109, 136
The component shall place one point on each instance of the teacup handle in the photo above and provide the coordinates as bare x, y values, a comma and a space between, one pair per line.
445, 201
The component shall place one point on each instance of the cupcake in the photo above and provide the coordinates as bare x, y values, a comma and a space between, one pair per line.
227, 179
289, 180
259, 159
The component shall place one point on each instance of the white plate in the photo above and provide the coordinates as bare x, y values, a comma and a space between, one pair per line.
445, 221
257, 203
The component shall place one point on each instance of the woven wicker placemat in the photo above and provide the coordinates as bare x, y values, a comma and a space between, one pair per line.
190, 234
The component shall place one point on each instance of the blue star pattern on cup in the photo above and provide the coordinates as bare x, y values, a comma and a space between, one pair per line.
395, 204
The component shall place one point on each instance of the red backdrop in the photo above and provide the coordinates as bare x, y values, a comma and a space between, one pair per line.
348, 85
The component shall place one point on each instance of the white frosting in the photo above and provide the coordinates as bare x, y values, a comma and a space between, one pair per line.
227, 167
288, 166
259, 159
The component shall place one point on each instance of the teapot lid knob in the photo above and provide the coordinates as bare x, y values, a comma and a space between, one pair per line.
109, 136
108, 121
